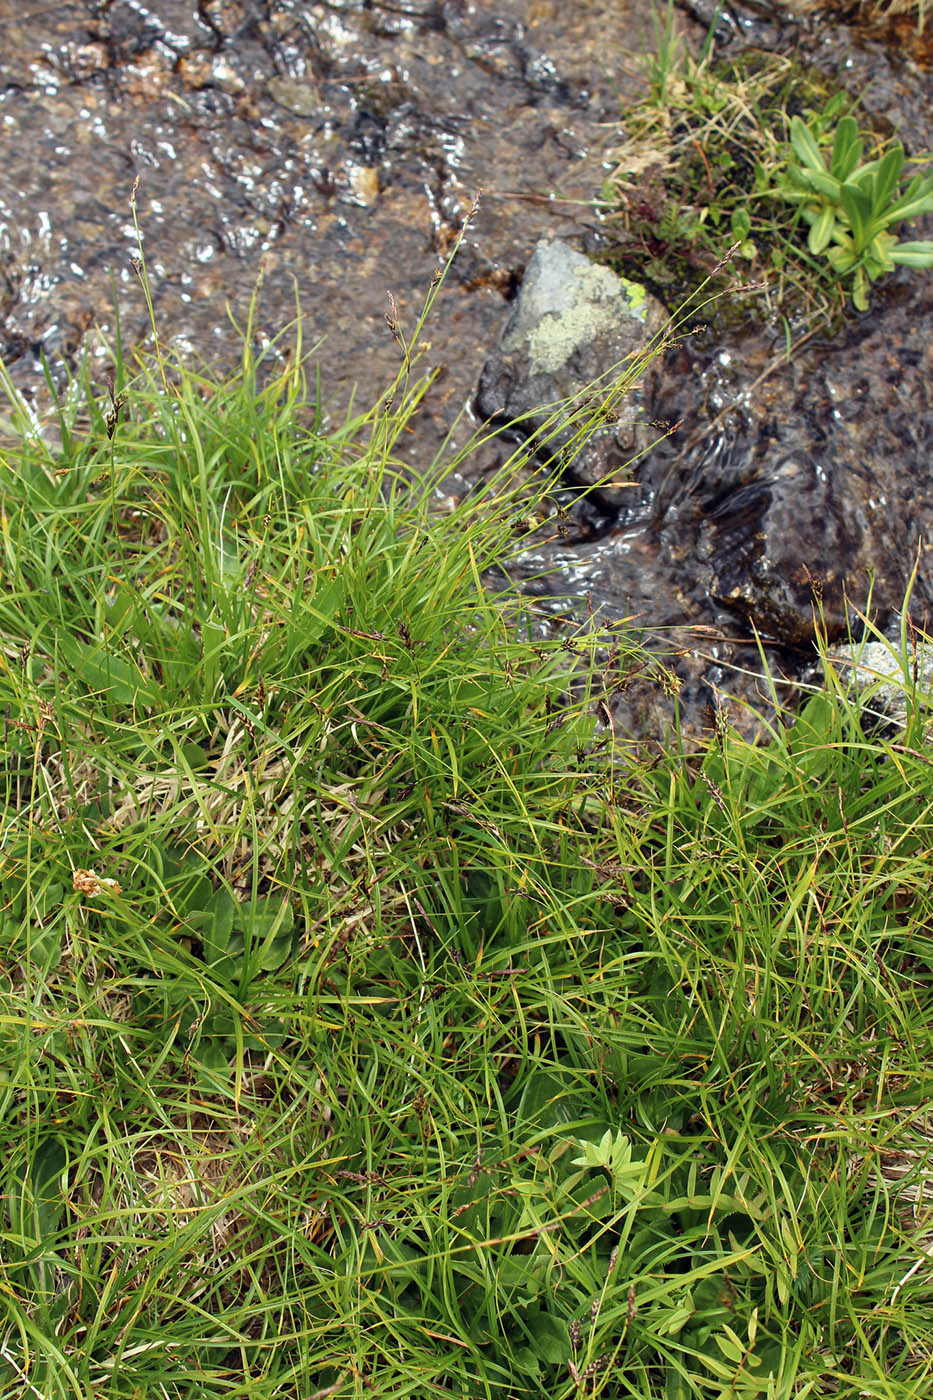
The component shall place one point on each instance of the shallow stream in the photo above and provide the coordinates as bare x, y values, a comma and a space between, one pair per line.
335, 148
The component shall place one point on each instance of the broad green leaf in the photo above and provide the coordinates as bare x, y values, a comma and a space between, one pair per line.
720, 1370
213, 641
221, 908
842, 257
858, 207
194, 756
267, 928
614, 1155
741, 224
36, 1210
46, 946
821, 232
212, 1060
35, 1206
889, 172
549, 1338
864, 176
268, 1037
677, 1321
878, 259
803, 142
547, 1099
265, 917
193, 894
115, 677
913, 254
528, 1361
275, 952
815, 723
860, 290
47, 899
917, 199
793, 189
822, 183
730, 1346
847, 149
120, 608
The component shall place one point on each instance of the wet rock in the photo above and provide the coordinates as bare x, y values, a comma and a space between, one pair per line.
573, 323
364, 183
810, 491
876, 669
300, 98
795, 543
212, 103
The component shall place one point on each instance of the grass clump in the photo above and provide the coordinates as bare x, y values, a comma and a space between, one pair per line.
278, 769
752, 154
374, 1027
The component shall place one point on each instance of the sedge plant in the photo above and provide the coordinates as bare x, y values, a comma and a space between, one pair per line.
373, 1023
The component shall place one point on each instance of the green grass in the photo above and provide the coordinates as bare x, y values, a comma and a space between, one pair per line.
426, 1040
709, 162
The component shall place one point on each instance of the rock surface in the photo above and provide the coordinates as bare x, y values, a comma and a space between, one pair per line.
814, 491
575, 325
875, 669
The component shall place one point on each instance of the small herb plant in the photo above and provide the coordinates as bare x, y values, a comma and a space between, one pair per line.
851, 208
712, 162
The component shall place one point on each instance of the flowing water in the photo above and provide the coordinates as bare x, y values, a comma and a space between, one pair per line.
334, 149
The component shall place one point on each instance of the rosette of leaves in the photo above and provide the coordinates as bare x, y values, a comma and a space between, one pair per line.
853, 209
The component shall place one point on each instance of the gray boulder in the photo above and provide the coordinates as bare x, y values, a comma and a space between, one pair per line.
571, 352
